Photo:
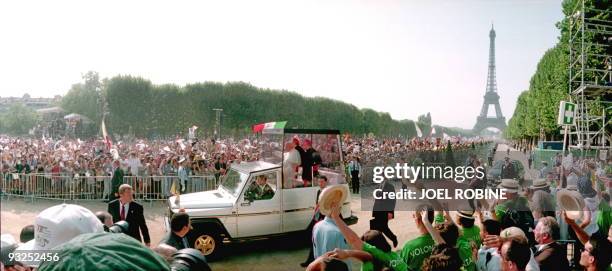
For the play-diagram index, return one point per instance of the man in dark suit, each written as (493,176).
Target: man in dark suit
(307,162)
(125,208)
(550,254)
(383,211)
(116,180)
(180,225)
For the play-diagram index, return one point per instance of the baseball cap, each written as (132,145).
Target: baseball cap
(105,252)
(59,224)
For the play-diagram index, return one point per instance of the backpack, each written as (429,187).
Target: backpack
(521,217)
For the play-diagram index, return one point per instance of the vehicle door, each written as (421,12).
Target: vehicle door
(258,207)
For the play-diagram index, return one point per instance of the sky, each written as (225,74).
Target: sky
(402,57)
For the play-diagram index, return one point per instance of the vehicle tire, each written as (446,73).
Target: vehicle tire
(209,243)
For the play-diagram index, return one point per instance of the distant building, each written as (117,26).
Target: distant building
(27,100)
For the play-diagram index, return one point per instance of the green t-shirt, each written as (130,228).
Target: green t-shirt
(389,259)
(416,251)
(465,253)
(471,234)
(604,217)
(501,209)
(439,218)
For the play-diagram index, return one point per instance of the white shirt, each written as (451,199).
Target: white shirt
(532,265)
(494,263)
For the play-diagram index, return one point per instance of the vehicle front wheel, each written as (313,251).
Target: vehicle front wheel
(210,244)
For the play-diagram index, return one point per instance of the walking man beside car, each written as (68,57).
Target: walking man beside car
(125,208)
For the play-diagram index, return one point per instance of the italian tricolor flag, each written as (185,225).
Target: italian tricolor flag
(257,128)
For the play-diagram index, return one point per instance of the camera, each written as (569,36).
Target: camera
(189,259)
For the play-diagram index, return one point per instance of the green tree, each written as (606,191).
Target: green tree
(84,97)
(18,120)
(130,106)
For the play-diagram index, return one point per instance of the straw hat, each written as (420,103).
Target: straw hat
(510,185)
(571,202)
(333,195)
(539,184)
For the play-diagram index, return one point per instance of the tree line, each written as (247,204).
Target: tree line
(135,106)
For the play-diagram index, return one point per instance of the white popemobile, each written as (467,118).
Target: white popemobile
(230,213)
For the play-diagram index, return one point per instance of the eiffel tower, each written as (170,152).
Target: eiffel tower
(491,97)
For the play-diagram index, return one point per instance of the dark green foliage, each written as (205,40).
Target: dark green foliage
(18,120)
(147,110)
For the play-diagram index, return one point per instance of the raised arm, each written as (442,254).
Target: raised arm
(586,220)
(342,254)
(435,235)
(351,237)
(580,233)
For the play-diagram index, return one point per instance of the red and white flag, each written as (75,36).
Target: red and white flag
(107,139)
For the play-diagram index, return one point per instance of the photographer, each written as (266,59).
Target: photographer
(180,225)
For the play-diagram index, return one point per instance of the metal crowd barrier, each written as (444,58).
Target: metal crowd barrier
(62,187)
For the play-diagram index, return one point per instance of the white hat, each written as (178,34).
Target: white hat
(58,224)
(571,202)
(333,195)
(510,185)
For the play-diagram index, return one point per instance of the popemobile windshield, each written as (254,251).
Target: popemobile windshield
(233,212)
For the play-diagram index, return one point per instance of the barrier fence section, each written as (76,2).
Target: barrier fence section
(63,187)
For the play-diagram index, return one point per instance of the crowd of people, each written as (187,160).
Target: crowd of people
(92,165)
(561,221)
(379,151)
(531,229)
